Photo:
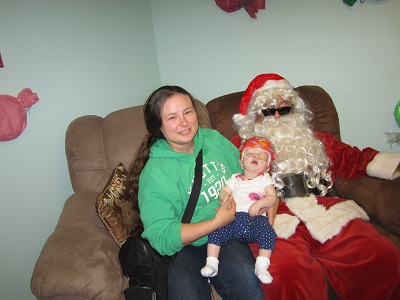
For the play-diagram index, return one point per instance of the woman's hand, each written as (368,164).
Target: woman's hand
(226,213)
(224,216)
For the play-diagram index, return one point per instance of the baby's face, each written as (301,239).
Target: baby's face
(256,160)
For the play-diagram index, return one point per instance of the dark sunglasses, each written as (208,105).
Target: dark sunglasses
(281,110)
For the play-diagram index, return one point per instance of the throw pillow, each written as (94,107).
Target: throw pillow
(115,205)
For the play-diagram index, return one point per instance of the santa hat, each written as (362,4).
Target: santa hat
(260,83)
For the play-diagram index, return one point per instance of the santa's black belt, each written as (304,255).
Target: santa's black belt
(295,186)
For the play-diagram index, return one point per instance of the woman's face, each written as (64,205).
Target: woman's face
(179,123)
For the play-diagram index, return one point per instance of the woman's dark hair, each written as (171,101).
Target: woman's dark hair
(152,117)
(155,102)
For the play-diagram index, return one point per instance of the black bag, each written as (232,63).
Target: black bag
(146,268)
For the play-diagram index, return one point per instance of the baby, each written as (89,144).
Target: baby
(253,193)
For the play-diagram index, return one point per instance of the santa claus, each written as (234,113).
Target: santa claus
(320,236)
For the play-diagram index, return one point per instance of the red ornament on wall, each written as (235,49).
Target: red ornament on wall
(13,119)
(1,62)
(251,6)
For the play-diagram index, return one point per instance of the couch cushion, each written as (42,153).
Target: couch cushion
(325,117)
(80,258)
(379,198)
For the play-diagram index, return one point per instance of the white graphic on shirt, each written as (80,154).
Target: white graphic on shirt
(213,180)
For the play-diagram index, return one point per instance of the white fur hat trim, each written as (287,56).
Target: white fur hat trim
(283,84)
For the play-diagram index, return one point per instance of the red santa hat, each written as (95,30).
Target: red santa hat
(259,83)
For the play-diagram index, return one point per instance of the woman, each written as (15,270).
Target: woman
(166,162)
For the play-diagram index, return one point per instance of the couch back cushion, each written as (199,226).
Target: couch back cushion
(325,118)
(95,145)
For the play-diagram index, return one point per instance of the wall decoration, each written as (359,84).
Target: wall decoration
(397,113)
(251,6)
(394,137)
(13,118)
(349,2)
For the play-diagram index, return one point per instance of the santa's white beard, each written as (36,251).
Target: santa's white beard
(299,151)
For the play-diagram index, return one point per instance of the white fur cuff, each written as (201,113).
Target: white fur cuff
(323,224)
(285,225)
(385,165)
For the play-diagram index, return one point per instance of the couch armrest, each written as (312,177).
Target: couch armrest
(80,259)
(378,197)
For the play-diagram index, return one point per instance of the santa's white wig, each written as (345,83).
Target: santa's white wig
(298,150)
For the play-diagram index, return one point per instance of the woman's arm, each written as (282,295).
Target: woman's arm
(224,216)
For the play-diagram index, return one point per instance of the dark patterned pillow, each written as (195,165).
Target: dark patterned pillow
(115,205)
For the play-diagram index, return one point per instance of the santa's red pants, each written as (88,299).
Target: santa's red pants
(359,263)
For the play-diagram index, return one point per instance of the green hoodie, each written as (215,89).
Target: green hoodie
(166,181)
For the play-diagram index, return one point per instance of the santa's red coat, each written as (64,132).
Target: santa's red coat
(358,261)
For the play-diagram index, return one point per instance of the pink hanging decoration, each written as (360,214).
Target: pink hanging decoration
(13,118)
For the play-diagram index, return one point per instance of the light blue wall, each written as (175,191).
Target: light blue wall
(351,52)
(95,56)
(80,57)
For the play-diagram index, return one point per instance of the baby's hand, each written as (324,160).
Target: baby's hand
(254,209)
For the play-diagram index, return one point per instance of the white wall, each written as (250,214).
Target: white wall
(351,52)
(80,57)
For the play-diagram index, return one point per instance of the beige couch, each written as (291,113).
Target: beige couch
(80,258)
